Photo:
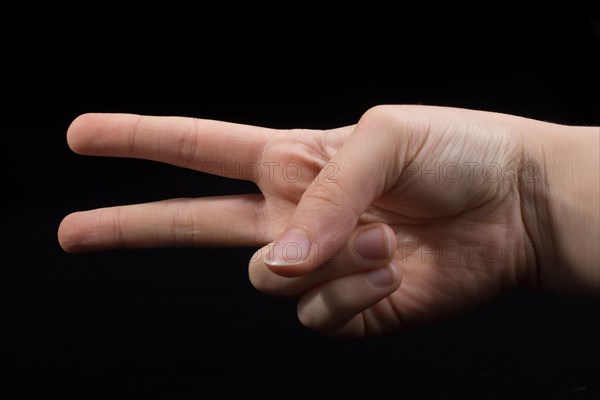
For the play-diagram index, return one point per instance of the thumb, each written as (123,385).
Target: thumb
(359,173)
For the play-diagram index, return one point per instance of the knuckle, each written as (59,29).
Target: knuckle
(310,319)
(117,222)
(319,312)
(330,199)
(388,118)
(183,224)
(378,115)
(187,145)
(322,194)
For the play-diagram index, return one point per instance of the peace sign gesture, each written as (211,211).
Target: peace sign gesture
(410,215)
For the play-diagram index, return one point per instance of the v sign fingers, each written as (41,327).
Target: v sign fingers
(268,157)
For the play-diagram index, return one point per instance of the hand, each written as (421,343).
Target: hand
(437,198)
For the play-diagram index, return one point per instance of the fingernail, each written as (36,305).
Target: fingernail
(373,244)
(383,277)
(292,248)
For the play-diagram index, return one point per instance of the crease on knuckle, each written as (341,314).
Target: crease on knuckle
(187,144)
(323,195)
(182,225)
(324,198)
(132,135)
(117,226)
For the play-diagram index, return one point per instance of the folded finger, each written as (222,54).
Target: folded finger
(370,247)
(329,308)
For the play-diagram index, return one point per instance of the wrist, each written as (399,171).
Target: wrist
(561,205)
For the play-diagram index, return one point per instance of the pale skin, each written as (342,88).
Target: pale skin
(412,215)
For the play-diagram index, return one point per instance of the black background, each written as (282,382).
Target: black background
(186,322)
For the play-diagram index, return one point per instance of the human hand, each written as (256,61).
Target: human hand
(447,191)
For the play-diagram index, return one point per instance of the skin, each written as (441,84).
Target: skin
(410,216)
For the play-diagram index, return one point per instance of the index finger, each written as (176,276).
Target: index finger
(200,144)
